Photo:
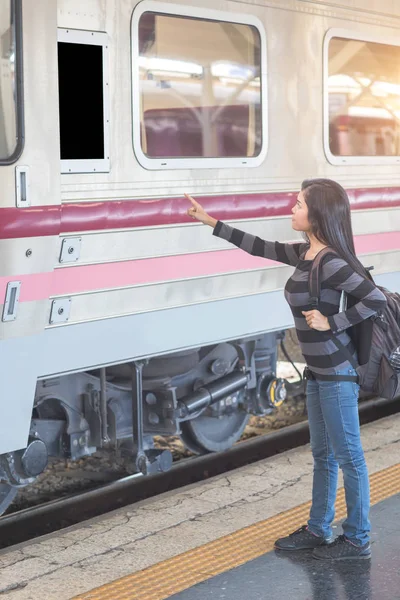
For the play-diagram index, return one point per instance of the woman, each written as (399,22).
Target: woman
(322,212)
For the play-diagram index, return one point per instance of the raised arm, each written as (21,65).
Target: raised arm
(284,253)
(339,275)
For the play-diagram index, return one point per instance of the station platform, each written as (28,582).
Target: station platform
(215,540)
(278,575)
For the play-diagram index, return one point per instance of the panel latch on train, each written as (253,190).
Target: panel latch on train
(22,187)
(60,310)
(11,301)
(70,249)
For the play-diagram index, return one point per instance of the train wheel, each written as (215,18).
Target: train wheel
(188,440)
(213,433)
(7,495)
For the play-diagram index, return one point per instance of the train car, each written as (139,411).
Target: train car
(121,318)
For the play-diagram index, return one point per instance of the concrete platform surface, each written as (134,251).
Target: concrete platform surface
(78,559)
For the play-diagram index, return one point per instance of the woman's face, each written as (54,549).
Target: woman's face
(300,214)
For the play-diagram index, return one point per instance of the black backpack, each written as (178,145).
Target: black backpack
(377,339)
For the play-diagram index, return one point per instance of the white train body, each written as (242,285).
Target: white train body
(105,267)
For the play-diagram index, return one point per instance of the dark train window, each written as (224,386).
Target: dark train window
(199,90)
(83,101)
(363,86)
(11,107)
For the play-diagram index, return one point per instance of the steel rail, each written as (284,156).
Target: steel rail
(52,516)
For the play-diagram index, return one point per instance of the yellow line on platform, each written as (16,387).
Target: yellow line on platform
(190,568)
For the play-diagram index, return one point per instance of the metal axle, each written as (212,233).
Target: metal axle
(211,393)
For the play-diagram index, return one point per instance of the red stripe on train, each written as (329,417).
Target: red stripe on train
(120,214)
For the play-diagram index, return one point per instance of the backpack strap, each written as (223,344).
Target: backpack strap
(314,289)
(314,278)
(344,350)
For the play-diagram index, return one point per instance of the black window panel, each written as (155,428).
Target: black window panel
(80,72)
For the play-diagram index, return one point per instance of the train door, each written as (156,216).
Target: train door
(29,203)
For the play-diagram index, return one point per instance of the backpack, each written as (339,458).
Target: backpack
(376,340)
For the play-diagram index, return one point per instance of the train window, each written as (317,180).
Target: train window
(83,101)
(11,108)
(362,96)
(198,92)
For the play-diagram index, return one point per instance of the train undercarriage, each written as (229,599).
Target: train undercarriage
(204,395)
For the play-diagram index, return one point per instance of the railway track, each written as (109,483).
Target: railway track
(58,514)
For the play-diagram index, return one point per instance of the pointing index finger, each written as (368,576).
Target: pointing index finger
(192,200)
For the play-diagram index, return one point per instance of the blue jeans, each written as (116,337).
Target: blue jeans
(335,442)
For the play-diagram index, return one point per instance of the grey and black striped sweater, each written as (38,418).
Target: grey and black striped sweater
(319,351)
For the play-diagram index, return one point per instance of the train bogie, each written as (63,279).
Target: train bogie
(205,395)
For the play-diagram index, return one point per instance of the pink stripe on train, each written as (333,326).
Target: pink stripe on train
(76,280)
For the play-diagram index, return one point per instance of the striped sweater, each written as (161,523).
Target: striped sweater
(319,351)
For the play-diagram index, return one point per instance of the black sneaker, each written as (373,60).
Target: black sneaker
(343,549)
(301,539)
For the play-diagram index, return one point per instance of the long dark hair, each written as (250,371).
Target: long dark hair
(330,219)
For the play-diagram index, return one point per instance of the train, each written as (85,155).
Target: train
(121,318)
